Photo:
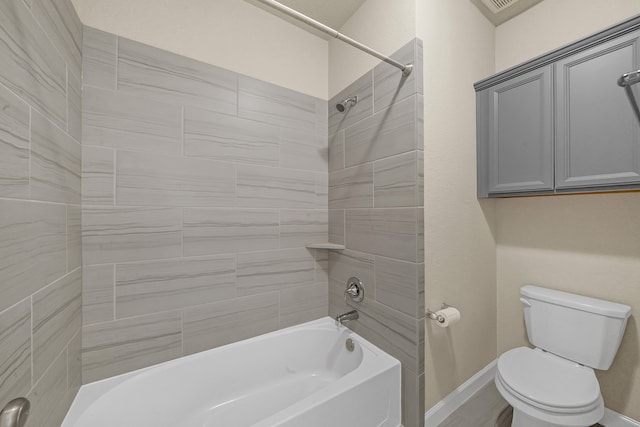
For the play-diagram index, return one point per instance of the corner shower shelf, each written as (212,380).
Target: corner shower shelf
(332,246)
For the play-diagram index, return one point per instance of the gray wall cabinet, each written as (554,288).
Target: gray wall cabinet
(520,140)
(560,123)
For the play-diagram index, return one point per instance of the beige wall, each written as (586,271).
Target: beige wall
(376,24)
(588,244)
(232,34)
(459,246)
(554,23)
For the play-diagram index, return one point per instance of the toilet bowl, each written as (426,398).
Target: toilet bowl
(548,391)
(554,384)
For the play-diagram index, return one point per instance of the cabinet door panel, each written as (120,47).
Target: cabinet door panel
(597,133)
(521,134)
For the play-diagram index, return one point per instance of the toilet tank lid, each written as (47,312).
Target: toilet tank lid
(579,302)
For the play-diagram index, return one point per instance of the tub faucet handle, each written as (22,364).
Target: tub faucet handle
(355,290)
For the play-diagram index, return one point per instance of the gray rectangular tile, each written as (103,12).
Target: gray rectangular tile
(98,293)
(336,226)
(420,235)
(215,231)
(172,78)
(386,133)
(99,58)
(230,138)
(32,67)
(300,227)
(265,187)
(420,122)
(118,120)
(351,187)
(392,331)
(212,325)
(390,86)
(268,103)
(321,257)
(74,367)
(398,285)
(304,150)
(396,181)
(57,318)
(130,234)
(74,107)
(322,190)
(14,146)
(144,179)
(74,237)
(48,397)
(420,178)
(336,151)
(151,287)
(303,304)
(347,263)
(125,345)
(337,304)
(322,116)
(363,88)
(15,351)
(60,21)
(261,272)
(33,248)
(55,163)
(98,175)
(413,400)
(420,62)
(387,232)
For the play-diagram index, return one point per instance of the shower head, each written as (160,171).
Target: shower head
(346,104)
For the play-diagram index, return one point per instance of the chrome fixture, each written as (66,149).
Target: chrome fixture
(355,290)
(346,104)
(15,413)
(346,317)
(350,345)
(626,81)
(405,68)
(435,316)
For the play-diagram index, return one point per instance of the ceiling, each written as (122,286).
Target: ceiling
(333,13)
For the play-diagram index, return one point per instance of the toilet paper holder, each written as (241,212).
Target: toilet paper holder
(435,316)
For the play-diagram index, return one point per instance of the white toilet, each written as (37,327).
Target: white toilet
(554,384)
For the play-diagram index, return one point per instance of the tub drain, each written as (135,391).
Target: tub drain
(350,345)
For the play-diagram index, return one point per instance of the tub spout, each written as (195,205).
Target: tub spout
(351,315)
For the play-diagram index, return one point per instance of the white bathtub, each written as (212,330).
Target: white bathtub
(302,376)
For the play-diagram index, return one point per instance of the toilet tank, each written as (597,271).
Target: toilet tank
(582,329)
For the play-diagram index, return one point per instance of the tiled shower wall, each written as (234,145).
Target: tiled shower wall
(201,188)
(376,209)
(40,245)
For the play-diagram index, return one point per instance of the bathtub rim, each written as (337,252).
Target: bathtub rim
(372,355)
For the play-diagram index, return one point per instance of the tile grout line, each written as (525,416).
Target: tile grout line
(115,281)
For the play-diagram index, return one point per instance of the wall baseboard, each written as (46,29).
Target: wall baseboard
(614,419)
(441,410)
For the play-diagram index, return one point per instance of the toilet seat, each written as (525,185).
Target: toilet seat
(549,387)
(548,381)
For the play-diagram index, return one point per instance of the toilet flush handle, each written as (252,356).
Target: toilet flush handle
(525,302)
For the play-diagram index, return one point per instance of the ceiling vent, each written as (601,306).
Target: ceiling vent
(498,5)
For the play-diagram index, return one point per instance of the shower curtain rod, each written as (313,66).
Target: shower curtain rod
(405,68)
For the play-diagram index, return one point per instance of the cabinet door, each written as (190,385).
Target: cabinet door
(520,139)
(597,133)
